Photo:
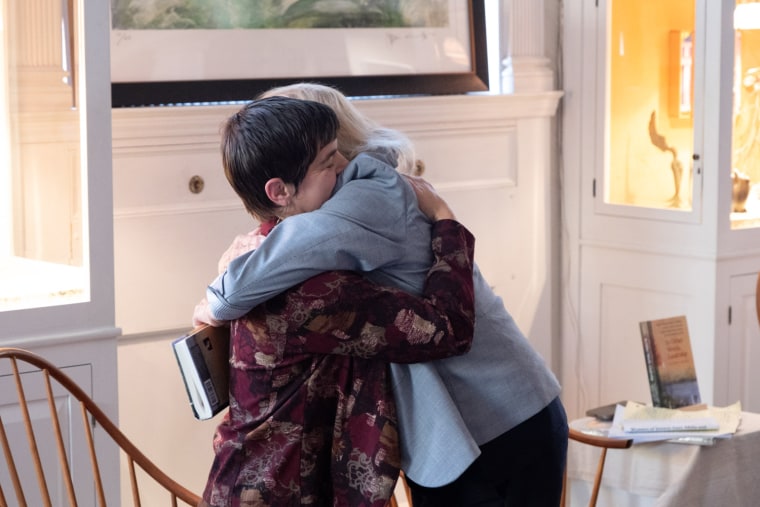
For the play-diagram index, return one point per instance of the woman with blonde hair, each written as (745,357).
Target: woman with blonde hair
(486,428)
(312,418)
(357,133)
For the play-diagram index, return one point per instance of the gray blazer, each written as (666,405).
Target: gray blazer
(372,223)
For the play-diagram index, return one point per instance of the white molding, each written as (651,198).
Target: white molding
(525,66)
(62,339)
(526,28)
(184,209)
(154,127)
(527,74)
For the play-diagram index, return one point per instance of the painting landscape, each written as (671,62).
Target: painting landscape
(201,51)
(273,14)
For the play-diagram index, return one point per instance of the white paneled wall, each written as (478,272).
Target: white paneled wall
(488,155)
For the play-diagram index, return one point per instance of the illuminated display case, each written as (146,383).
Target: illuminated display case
(56,246)
(661,174)
(745,167)
(56,225)
(44,227)
(649,158)
(650,135)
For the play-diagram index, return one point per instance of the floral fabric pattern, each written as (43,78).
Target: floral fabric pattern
(312,420)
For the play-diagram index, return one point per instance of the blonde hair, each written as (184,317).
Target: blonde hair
(357,133)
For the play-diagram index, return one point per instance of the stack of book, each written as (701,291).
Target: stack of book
(670,362)
(645,423)
(676,413)
(203,357)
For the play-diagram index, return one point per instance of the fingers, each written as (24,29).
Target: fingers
(430,203)
(202,315)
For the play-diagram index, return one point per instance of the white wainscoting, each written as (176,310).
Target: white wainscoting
(490,156)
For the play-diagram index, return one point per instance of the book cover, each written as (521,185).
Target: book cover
(203,359)
(669,362)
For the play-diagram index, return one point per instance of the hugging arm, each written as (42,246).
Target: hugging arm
(297,249)
(343,313)
(361,228)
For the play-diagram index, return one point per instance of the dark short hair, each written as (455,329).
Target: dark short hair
(275,137)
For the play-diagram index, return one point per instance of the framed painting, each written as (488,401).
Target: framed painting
(199,51)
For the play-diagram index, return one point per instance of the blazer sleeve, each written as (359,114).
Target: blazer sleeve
(340,312)
(360,228)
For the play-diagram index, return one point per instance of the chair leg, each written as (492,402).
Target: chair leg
(13,472)
(63,462)
(598,478)
(393,502)
(407,489)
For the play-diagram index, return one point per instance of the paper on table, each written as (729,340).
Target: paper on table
(728,419)
(657,425)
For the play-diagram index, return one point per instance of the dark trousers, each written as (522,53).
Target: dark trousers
(521,468)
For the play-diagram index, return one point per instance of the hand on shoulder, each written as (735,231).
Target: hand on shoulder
(430,203)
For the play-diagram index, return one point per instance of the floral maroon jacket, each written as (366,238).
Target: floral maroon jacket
(312,419)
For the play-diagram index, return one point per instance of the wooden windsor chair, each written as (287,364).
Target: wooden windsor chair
(604,443)
(44,467)
(757,297)
(404,497)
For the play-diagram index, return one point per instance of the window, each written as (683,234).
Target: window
(42,219)
(745,167)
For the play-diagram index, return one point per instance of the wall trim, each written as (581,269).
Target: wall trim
(155,127)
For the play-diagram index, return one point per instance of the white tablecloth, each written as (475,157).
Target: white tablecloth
(668,474)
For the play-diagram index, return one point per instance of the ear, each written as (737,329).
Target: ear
(278,191)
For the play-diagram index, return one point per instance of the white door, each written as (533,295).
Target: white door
(744,344)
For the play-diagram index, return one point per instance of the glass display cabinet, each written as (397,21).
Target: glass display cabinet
(650,134)
(44,226)
(55,170)
(56,225)
(661,187)
(745,166)
(649,158)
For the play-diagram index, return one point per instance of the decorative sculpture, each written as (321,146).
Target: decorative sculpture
(740,185)
(747,123)
(746,154)
(675,166)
